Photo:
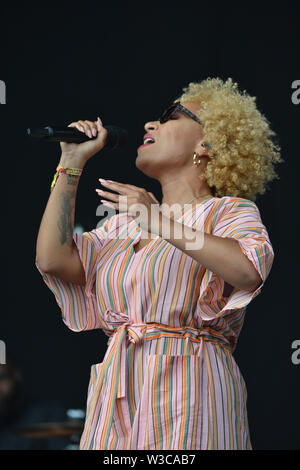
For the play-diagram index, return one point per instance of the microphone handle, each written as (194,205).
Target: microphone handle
(73,135)
(65,134)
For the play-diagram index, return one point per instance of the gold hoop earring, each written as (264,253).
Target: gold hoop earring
(195,161)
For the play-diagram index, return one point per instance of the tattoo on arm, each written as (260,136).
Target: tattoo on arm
(65,225)
(72,180)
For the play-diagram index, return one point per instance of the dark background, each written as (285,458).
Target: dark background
(127,64)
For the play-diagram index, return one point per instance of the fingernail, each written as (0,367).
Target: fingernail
(102,180)
(94,132)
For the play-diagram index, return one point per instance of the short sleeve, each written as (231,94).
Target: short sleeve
(78,303)
(240,219)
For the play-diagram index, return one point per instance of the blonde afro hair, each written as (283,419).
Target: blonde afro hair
(242,149)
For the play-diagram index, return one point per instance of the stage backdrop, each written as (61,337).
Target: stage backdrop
(127,65)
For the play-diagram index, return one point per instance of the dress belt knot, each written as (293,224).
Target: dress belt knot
(125,330)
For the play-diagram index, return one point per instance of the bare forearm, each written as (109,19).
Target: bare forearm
(222,256)
(55,237)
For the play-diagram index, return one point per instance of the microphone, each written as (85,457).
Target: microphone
(116,136)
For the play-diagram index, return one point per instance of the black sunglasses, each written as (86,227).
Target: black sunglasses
(169,112)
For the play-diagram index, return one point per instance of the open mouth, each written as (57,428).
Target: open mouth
(146,143)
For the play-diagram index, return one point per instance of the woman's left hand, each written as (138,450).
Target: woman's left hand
(128,198)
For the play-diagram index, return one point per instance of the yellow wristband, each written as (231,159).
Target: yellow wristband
(67,171)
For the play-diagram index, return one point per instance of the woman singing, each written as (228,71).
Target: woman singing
(168,284)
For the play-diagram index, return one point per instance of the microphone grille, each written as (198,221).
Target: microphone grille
(116,137)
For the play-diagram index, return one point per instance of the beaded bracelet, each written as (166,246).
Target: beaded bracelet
(67,171)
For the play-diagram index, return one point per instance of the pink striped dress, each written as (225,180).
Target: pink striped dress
(168,379)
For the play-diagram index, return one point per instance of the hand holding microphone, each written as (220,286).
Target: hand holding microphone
(80,153)
(78,139)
